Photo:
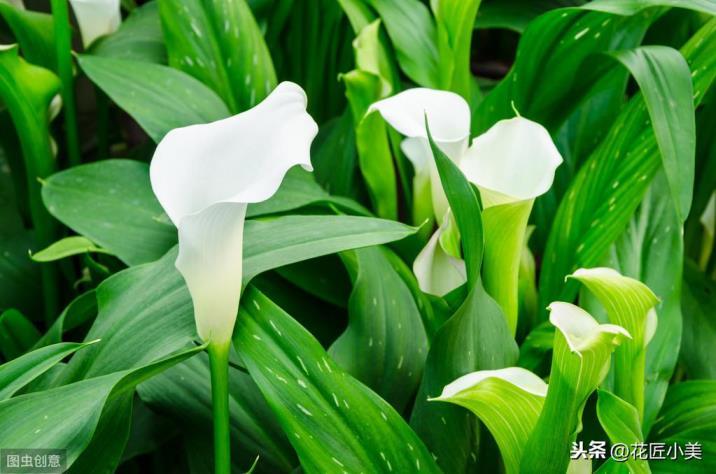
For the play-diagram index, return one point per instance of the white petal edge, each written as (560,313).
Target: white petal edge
(96,18)
(240,159)
(437,272)
(210,255)
(448,117)
(515,160)
(578,326)
(517,376)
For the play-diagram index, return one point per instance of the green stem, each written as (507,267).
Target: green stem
(219,365)
(63,43)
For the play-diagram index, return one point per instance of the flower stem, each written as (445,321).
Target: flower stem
(63,43)
(219,366)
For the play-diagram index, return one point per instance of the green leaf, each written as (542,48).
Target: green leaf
(146,312)
(34,31)
(664,77)
(183,392)
(476,337)
(17,334)
(158,97)
(688,416)
(220,44)
(466,208)
(139,37)
(374,153)
(628,303)
(413,33)
(27,91)
(111,203)
(385,344)
(333,421)
(508,401)
(698,303)
(19,372)
(582,350)
(609,186)
(455,21)
(622,423)
(68,417)
(78,312)
(66,247)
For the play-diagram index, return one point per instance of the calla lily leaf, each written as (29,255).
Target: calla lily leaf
(333,421)
(19,372)
(96,18)
(67,247)
(139,37)
(708,221)
(622,423)
(68,417)
(34,31)
(220,44)
(476,337)
(385,344)
(630,304)
(158,97)
(580,361)
(17,334)
(507,400)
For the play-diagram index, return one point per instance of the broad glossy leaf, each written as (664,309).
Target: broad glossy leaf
(145,312)
(17,334)
(139,37)
(385,344)
(34,31)
(508,401)
(17,373)
(688,416)
(414,36)
(78,312)
(334,422)
(622,423)
(66,247)
(610,185)
(466,208)
(664,77)
(67,417)
(111,203)
(158,97)
(220,44)
(183,393)
(476,337)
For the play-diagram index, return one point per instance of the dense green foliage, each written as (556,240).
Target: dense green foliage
(602,290)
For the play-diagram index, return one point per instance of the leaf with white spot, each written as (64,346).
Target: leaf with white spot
(334,422)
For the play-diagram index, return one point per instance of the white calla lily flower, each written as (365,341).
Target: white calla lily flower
(515,160)
(96,18)
(205,176)
(449,118)
(579,328)
(512,163)
(438,272)
(517,376)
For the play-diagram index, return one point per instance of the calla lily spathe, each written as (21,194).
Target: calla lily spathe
(205,176)
(96,18)
(513,162)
